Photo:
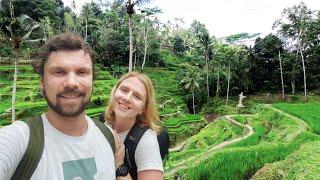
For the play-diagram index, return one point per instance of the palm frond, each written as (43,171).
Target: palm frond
(27,35)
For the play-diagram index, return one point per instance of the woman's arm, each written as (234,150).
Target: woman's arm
(150,174)
(119,155)
(120,150)
(148,158)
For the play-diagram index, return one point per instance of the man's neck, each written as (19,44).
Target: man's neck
(72,126)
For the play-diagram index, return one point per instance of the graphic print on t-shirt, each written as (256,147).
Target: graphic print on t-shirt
(82,169)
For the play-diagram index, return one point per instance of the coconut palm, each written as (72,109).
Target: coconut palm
(86,14)
(18,30)
(191,82)
(130,4)
(147,22)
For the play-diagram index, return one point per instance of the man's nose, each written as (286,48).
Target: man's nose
(72,80)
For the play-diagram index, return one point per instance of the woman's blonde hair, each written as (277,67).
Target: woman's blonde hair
(150,116)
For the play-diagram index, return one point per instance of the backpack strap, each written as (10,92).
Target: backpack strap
(107,133)
(32,156)
(131,142)
(164,143)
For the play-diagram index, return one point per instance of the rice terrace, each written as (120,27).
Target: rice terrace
(239,106)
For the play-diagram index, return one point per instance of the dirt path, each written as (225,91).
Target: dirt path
(303,126)
(200,157)
(179,147)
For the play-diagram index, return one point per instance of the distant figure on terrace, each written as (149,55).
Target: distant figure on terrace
(241,97)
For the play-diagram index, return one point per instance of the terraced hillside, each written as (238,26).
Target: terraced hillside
(276,139)
(29,102)
(302,164)
(172,107)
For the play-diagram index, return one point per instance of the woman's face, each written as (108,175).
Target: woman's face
(129,98)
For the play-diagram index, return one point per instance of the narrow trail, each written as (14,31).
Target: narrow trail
(303,126)
(179,147)
(202,156)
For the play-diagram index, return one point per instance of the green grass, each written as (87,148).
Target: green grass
(243,162)
(29,102)
(174,122)
(276,136)
(95,111)
(302,164)
(213,134)
(22,68)
(309,112)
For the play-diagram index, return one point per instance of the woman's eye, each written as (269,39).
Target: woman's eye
(124,90)
(137,97)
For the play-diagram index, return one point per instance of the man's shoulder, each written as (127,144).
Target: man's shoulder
(16,127)
(103,129)
(94,121)
(14,141)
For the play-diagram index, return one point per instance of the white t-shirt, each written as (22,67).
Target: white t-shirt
(147,155)
(65,157)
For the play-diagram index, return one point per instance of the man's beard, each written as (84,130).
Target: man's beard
(68,111)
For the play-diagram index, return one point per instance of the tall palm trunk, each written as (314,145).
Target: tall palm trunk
(15,45)
(218,85)
(14,89)
(228,83)
(193,106)
(131,44)
(135,61)
(86,36)
(293,75)
(145,47)
(207,69)
(282,85)
(303,66)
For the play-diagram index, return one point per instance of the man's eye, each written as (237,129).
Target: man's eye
(59,72)
(82,72)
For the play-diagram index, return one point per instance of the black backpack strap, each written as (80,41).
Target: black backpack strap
(131,142)
(32,156)
(107,133)
(164,143)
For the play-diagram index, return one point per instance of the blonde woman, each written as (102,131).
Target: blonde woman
(132,104)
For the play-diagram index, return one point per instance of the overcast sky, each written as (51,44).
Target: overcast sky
(225,17)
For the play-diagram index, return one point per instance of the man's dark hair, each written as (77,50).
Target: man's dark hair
(64,42)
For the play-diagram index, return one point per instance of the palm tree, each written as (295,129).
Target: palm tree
(229,77)
(206,41)
(279,47)
(303,63)
(147,23)
(86,13)
(191,82)
(292,25)
(130,11)
(18,30)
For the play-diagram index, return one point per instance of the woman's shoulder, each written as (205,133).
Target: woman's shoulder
(150,134)
(149,138)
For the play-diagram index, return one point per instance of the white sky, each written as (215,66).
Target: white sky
(225,17)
